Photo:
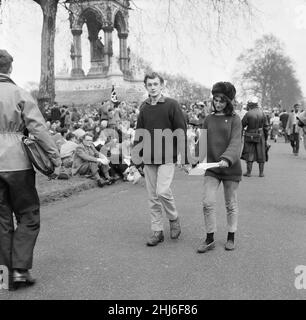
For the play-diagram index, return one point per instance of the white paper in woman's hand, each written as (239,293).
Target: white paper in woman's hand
(200,169)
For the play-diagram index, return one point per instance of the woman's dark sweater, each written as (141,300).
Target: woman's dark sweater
(224,143)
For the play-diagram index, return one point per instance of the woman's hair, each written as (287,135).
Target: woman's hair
(229,109)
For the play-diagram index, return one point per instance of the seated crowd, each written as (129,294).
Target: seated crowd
(95,141)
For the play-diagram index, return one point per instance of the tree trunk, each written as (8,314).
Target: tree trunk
(47,82)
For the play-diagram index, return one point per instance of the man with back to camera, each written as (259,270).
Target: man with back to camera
(18,193)
(293,129)
(159,113)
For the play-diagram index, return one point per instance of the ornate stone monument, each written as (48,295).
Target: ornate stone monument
(105,70)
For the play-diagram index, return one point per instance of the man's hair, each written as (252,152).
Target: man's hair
(5,61)
(153,75)
(296,105)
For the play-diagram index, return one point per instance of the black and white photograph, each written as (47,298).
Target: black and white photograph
(152,153)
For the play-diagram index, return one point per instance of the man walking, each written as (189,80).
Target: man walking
(159,114)
(255,123)
(293,130)
(284,119)
(18,194)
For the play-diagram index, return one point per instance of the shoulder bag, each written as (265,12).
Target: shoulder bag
(253,137)
(38,156)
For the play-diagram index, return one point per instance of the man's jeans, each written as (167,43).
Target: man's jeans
(18,194)
(158,180)
(211,186)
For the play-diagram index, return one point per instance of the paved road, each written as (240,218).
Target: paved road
(92,245)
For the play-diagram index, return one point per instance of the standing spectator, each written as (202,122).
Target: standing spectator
(293,130)
(159,112)
(103,111)
(284,119)
(223,146)
(65,117)
(275,123)
(18,193)
(256,123)
(55,112)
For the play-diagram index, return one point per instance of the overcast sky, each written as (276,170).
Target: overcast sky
(190,53)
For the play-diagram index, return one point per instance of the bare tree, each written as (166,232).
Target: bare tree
(267,72)
(47,83)
(203,21)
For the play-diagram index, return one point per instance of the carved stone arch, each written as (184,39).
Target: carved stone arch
(91,14)
(120,22)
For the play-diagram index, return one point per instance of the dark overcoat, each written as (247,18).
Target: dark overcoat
(255,120)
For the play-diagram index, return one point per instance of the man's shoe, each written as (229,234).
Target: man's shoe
(247,175)
(204,247)
(155,239)
(175,228)
(261,175)
(22,279)
(230,245)
(101,183)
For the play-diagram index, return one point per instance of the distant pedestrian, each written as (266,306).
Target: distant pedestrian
(224,146)
(293,129)
(284,119)
(275,123)
(256,134)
